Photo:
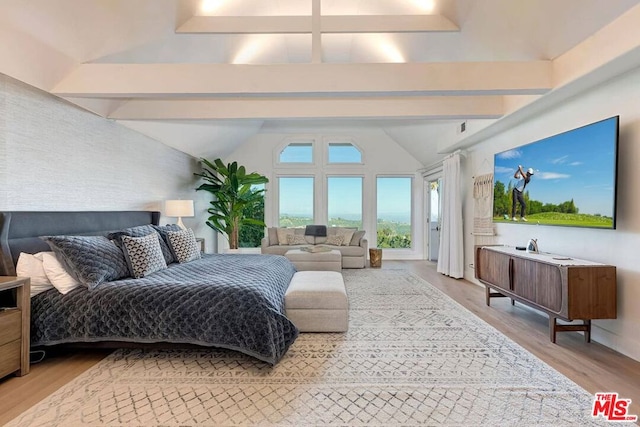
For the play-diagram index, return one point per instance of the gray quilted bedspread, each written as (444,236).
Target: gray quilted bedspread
(228,301)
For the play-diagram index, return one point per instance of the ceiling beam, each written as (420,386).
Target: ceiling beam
(328,24)
(387,24)
(246,25)
(199,80)
(438,107)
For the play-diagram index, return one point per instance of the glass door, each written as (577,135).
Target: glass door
(433,218)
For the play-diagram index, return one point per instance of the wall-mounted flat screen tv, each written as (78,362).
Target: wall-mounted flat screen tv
(567,179)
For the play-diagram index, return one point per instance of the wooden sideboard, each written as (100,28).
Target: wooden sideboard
(564,288)
(15,327)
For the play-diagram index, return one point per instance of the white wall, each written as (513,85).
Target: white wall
(55,156)
(381,156)
(620,247)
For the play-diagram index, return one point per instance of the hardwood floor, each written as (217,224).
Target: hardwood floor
(594,367)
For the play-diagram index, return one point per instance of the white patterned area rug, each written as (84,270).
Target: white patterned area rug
(412,356)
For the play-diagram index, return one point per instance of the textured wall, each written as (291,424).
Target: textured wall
(617,247)
(56,156)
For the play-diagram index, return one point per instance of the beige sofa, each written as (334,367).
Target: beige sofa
(354,252)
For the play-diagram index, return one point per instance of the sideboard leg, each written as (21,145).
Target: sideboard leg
(487,290)
(587,330)
(552,329)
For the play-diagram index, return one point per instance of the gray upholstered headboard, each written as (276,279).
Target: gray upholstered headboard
(21,231)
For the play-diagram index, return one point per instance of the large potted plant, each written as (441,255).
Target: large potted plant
(233,191)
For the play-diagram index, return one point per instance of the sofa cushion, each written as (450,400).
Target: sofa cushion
(348,251)
(272,235)
(357,236)
(347,234)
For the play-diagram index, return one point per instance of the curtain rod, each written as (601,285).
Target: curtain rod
(453,154)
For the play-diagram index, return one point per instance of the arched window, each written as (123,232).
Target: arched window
(297,152)
(343,152)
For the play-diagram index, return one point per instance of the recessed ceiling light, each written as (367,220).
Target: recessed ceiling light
(426,5)
(250,50)
(391,51)
(386,47)
(210,6)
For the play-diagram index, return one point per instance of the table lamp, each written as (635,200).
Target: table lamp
(179,209)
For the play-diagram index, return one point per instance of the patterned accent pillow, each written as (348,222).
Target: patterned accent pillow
(143,255)
(164,242)
(184,245)
(296,239)
(283,235)
(145,230)
(346,234)
(335,240)
(90,259)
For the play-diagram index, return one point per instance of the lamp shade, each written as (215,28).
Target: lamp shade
(178,208)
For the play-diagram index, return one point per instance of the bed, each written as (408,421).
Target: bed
(221,300)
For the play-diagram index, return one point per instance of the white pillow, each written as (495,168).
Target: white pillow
(31,266)
(56,273)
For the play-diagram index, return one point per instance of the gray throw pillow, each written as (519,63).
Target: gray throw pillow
(164,241)
(184,245)
(143,255)
(90,259)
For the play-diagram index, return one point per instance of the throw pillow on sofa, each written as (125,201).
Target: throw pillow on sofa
(335,240)
(296,239)
(346,234)
(283,235)
(357,236)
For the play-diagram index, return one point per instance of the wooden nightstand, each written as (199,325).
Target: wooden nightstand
(15,323)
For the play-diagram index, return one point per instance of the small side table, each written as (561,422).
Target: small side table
(201,241)
(15,326)
(375,258)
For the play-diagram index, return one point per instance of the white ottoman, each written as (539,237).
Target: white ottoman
(316,301)
(318,261)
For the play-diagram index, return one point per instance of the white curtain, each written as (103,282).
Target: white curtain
(451,253)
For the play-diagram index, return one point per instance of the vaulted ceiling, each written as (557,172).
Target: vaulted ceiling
(204,76)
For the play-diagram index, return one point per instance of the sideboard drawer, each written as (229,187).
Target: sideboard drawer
(10,356)
(10,325)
